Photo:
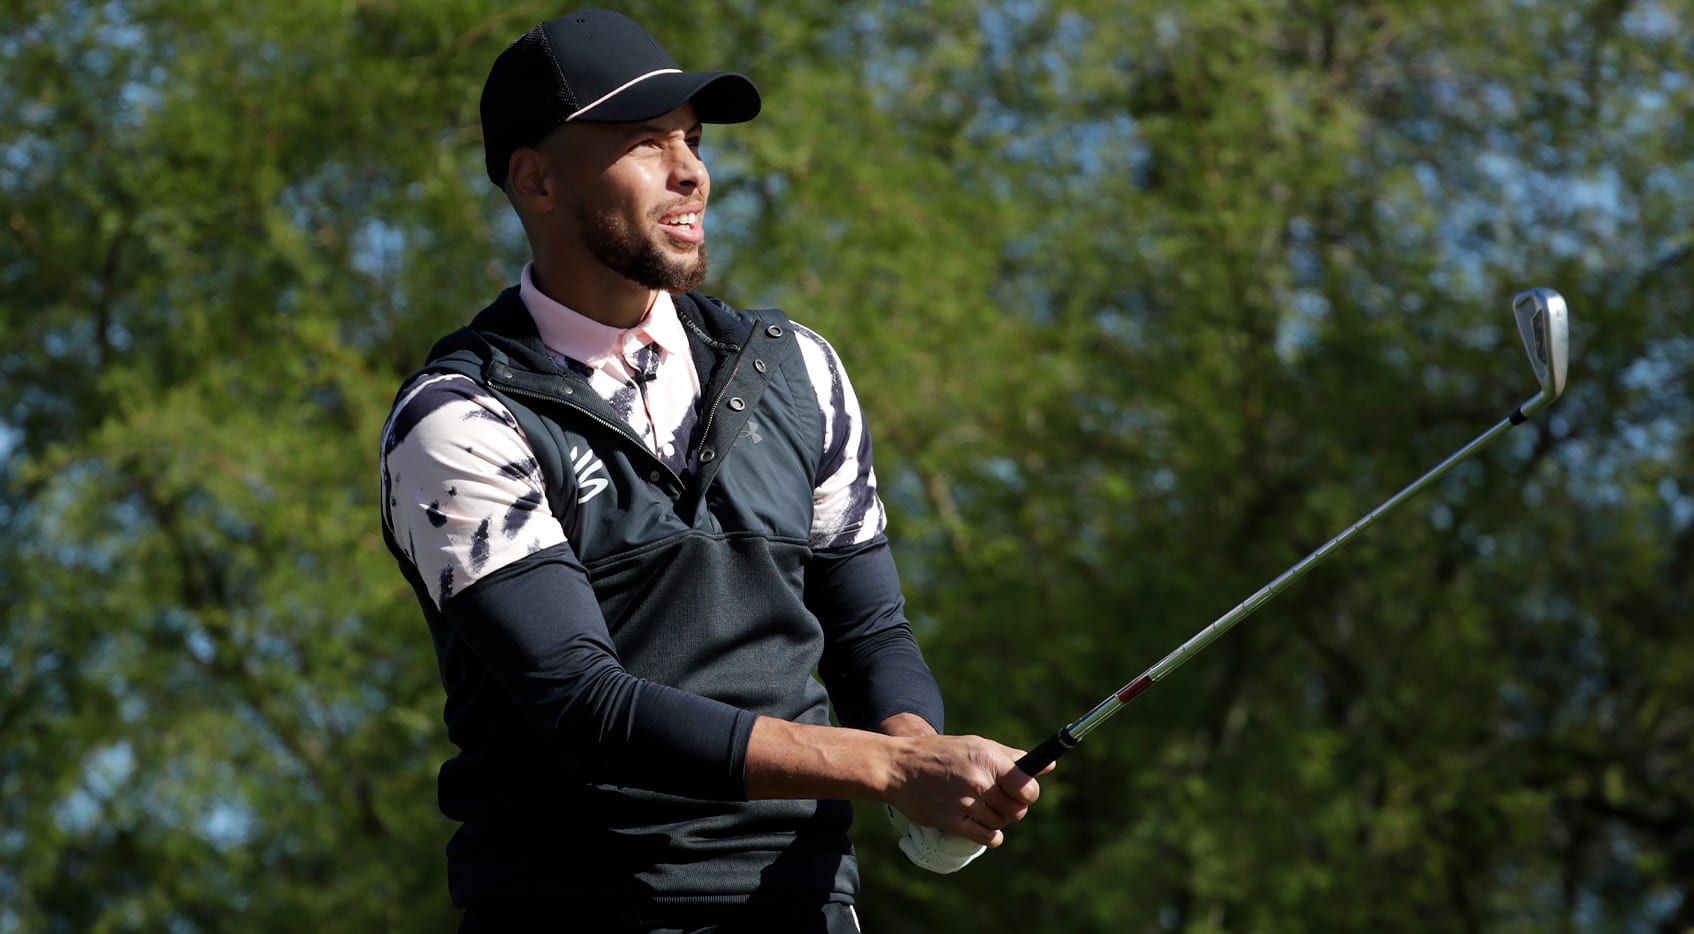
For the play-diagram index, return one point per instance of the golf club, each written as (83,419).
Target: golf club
(1544,323)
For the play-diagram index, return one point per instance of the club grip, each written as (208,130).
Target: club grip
(1047,753)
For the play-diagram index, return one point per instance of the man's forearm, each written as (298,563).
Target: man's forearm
(963,785)
(786,760)
(796,760)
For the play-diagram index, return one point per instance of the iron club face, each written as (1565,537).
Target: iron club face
(1545,325)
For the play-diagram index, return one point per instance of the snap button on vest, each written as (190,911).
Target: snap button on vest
(737,404)
(774,330)
(707,455)
(759,365)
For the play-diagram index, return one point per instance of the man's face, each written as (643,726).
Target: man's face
(637,197)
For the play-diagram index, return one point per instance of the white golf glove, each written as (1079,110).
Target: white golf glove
(932,849)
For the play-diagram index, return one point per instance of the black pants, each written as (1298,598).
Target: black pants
(831,918)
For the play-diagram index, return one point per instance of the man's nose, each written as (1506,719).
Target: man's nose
(687,170)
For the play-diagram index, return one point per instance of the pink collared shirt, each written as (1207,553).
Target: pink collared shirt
(645,372)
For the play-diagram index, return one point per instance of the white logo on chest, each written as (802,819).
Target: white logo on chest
(585,465)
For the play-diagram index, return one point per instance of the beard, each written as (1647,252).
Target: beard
(636,258)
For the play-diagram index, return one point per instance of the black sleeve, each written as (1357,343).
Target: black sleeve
(871,664)
(536,626)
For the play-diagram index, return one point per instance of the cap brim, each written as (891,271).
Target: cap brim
(718,96)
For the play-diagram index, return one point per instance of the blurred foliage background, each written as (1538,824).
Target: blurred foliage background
(1146,301)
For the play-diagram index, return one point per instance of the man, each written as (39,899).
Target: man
(637,520)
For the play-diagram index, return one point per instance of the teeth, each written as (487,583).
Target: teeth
(684,220)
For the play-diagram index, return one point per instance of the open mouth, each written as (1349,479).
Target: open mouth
(686,224)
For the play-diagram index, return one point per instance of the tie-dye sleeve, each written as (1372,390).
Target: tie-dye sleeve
(461,489)
(845,507)
(871,664)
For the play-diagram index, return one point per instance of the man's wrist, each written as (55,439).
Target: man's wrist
(906,724)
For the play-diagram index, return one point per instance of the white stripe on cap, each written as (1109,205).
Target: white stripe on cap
(621,88)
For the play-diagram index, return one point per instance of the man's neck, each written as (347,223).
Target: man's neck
(593,292)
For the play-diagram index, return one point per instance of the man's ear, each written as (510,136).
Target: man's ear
(527,179)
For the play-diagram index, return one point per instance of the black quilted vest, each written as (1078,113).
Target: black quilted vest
(701,582)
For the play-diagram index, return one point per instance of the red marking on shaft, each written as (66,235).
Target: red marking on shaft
(1128,693)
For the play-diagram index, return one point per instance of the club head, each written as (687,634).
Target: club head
(1544,323)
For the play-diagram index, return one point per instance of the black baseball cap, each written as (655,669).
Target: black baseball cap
(594,65)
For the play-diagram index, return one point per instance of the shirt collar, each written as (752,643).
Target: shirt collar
(569,333)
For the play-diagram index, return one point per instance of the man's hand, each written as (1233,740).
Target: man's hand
(927,847)
(966,786)
(960,786)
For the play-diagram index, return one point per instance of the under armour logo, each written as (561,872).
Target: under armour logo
(752,431)
(585,465)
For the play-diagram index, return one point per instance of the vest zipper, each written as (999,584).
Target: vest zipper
(711,413)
